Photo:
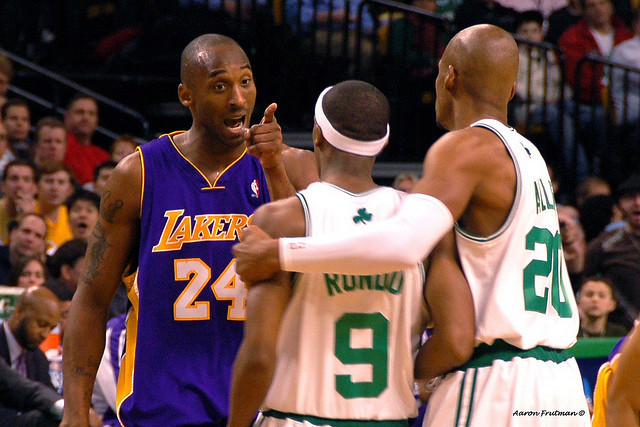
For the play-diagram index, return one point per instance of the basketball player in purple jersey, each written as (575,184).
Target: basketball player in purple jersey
(169,216)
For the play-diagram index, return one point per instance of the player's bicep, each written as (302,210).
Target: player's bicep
(266,305)
(116,232)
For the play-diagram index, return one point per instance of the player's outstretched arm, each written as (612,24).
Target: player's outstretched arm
(110,245)
(256,359)
(451,174)
(451,307)
(623,399)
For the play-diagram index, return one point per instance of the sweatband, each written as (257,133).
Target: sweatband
(344,143)
(380,247)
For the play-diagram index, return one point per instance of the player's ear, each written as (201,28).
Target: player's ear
(316,136)
(451,79)
(513,91)
(184,95)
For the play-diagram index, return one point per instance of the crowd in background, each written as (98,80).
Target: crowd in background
(53,174)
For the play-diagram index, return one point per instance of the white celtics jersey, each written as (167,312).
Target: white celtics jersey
(346,344)
(518,277)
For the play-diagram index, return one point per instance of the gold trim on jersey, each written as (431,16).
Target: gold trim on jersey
(211,186)
(127,365)
(139,150)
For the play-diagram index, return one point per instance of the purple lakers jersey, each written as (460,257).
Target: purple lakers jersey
(188,306)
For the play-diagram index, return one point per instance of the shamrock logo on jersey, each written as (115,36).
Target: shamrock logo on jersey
(363,216)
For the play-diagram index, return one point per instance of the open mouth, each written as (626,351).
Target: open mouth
(235,123)
(82,227)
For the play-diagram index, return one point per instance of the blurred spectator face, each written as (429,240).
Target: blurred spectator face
(101,181)
(71,275)
(531,30)
(32,275)
(428,5)
(82,117)
(4,83)
(51,144)
(4,139)
(630,206)
(55,188)
(18,122)
(65,306)
(20,183)
(121,149)
(596,299)
(83,216)
(28,237)
(598,12)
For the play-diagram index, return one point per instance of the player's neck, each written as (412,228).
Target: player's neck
(210,159)
(352,182)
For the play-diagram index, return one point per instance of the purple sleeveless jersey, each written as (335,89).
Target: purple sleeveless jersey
(187,313)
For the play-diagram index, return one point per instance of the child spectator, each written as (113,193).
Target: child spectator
(595,303)
(84,209)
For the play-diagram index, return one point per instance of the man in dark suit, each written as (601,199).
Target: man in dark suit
(38,404)
(36,313)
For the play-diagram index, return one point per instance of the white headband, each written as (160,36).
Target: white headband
(344,143)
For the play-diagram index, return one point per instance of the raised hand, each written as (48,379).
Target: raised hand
(264,140)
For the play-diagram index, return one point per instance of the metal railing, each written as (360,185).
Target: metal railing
(56,106)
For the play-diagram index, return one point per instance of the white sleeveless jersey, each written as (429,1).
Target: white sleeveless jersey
(518,277)
(346,344)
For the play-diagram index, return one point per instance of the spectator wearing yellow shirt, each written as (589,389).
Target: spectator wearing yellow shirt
(55,185)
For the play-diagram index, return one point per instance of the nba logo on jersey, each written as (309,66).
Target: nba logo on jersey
(255,188)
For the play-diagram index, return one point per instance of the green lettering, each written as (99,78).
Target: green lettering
(332,283)
(349,283)
(395,287)
(366,281)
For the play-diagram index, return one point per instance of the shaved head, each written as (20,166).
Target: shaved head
(36,313)
(476,76)
(199,52)
(36,297)
(486,57)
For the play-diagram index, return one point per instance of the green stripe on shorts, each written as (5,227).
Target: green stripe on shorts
(485,354)
(332,422)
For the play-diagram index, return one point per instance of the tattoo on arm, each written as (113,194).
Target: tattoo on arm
(96,254)
(110,207)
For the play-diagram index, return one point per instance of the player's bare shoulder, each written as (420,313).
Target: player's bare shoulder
(124,186)
(282,218)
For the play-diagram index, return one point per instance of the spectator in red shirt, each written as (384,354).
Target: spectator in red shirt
(597,32)
(81,122)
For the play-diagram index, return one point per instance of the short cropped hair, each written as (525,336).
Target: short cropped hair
(13,103)
(20,162)
(357,110)
(109,164)
(83,194)
(50,121)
